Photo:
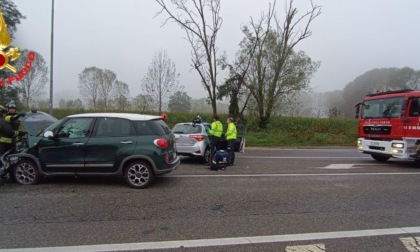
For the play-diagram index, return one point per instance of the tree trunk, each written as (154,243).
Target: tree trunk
(262,122)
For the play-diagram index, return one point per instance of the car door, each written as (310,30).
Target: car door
(65,152)
(113,139)
(240,140)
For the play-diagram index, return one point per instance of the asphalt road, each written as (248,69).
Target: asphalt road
(271,200)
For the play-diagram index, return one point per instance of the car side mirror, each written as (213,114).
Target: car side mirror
(48,134)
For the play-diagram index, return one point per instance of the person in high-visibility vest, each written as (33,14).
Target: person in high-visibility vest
(231,135)
(215,133)
(7,132)
(12,116)
(7,137)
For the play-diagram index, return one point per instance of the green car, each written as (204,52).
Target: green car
(133,146)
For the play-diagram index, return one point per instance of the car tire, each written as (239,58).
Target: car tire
(138,174)
(25,172)
(207,156)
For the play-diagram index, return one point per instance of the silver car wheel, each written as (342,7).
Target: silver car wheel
(26,173)
(138,175)
(207,156)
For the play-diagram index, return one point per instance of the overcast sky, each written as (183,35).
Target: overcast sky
(349,38)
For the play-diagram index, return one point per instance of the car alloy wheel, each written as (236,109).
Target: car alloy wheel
(26,173)
(138,175)
(207,156)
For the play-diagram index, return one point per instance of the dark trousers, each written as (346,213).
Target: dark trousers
(214,145)
(231,148)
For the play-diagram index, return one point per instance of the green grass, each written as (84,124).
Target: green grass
(305,132)
(281,131)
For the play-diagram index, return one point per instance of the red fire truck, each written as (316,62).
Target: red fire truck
(389,125)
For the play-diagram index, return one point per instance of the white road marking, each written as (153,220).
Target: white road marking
(340,166)
(344,166)
(290,157)
(223,241)
(305,149)
(307,248)
(223,174)
(412,244)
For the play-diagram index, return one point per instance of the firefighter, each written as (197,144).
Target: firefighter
(7,137)
(6,132)
(12,116)
(9,127)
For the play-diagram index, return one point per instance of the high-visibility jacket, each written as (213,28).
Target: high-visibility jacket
(231,132)
(216,129)
(10,118)
(6,132)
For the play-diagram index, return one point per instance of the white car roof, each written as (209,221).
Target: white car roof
(129,116)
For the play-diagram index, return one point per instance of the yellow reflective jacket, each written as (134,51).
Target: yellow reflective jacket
(216,129)
(231,132)
(6,132)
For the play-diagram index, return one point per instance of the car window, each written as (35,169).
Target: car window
(187,129)
(153,127)
(75,128)
(114,127)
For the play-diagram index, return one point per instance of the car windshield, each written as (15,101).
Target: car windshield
(187,129)
(383,108)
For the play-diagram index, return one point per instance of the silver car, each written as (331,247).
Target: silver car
(192,140)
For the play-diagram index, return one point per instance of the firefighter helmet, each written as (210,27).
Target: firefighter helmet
(11,105)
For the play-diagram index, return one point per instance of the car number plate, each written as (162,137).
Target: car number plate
(374,143)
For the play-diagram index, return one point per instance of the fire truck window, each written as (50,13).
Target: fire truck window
(415,108)
(392,109)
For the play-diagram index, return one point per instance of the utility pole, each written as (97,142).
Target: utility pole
(51,60)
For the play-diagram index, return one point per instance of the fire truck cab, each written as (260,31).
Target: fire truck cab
(389,125)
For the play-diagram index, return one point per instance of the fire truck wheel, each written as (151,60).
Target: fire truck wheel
(380,158)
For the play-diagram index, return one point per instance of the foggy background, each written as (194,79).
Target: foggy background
(349,38)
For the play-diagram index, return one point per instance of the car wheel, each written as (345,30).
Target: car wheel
(206,158)
(138,175)
(25,172)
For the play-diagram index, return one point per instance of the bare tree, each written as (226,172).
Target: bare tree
(106,86)
(201,23)
(235,86)
(142,103)
(70,104)
(34,82)
(121,94)
(42,103)
(161,79)
(89,84)
(276,70)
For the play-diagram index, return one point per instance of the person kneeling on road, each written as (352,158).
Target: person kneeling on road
(219,161)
